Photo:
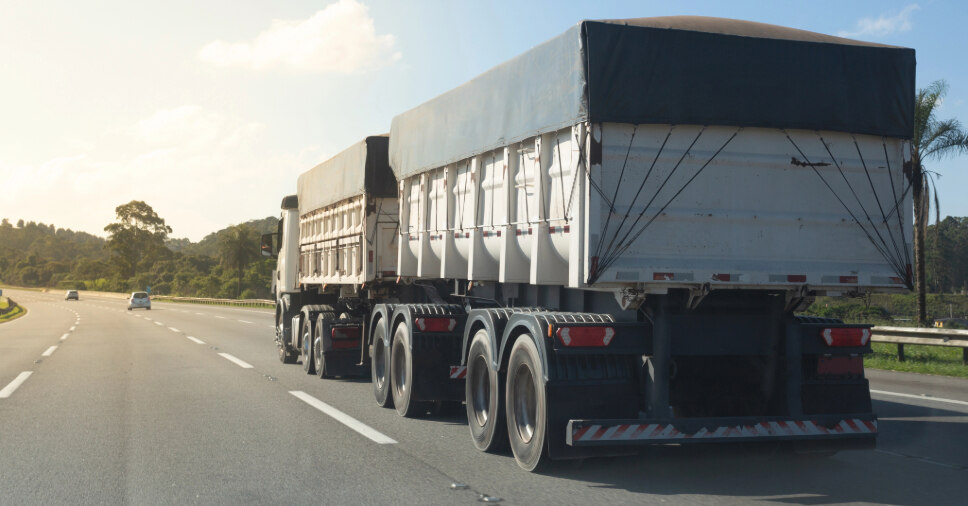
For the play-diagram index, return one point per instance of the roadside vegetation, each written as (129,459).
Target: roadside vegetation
(6,314)
(136,254)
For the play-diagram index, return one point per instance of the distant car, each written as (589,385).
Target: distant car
(139,299)
(71,295)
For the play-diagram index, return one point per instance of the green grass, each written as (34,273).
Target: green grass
(16,313)
(937,360)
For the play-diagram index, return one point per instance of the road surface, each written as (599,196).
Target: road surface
(189,404)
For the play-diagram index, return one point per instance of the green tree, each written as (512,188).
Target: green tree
(138,236)
(238,247)
(934,139)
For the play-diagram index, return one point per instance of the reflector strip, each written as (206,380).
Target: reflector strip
(849,337)
(435,324)
(784,428)
(585,336)
(458,371)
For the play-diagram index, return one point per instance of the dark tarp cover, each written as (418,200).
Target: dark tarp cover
(679,70)
(361,168)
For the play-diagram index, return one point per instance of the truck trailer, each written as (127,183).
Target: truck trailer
(604,242)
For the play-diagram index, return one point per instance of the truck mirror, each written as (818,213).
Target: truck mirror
(266,245)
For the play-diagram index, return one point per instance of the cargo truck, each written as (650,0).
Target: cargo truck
(604,242)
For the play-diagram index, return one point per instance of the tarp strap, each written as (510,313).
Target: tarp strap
(897,201)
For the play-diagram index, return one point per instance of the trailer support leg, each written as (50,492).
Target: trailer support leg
(658,380)
(793,369)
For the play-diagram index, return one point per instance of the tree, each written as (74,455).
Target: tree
(238,246)
(933,139)
(137,237)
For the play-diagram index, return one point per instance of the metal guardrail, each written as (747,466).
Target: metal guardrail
(216,302)
(923,336)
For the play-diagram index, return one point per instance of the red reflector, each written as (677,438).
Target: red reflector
(848,279)
(840,366)
(369,256)
(796,278)
(435,324)
(345,332)
(389,274)
(663,276)
(721,277)
(567,228)
(585,336)
(846,337)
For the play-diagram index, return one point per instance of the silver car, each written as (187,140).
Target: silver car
(71,295)
(139,299)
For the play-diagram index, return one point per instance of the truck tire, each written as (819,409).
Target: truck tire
(319,361)
(526,406)
(380,367)
(306,351)
(284,356)
(401,375)
(484,397)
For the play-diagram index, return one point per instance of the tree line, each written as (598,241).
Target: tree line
(138,253)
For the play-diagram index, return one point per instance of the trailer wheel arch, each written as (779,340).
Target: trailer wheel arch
(519,325)
(475,323)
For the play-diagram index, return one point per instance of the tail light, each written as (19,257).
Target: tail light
(435,324)
(585,336)
(345,337)
(853,337)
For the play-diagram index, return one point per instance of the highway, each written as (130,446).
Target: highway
(188,404)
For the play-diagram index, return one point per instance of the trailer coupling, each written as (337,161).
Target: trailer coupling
(730,429)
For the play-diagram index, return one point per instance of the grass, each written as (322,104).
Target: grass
(16,313)
(936,360)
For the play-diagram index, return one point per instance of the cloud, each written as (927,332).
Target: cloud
(199,169)
(884,25)
(340,38)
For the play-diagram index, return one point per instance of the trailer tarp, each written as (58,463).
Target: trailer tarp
(675,70)
(361,168)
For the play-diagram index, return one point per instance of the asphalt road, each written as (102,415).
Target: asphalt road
(188,404)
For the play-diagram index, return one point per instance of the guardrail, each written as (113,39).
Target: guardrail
(216,302)
(925,336)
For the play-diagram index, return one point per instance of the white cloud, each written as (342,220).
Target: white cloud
(884,25)
(199,169)
(341,38)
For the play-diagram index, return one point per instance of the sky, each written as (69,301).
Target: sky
(208,110)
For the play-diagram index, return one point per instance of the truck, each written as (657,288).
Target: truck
(604,243)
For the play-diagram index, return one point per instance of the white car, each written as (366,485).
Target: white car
(139,299)
(71,294)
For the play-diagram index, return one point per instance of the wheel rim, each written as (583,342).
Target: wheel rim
(380,367)
(399,369)
(480,390)
(525,404)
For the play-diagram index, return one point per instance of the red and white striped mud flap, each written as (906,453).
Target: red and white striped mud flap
(458,372)
(610,432)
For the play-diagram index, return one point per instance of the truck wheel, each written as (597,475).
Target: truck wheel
(319,361)
(284,356)
(307,347)
(527,414)
(401,375)
(484,398)
(380,367)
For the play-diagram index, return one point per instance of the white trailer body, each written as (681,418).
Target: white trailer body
(757,214)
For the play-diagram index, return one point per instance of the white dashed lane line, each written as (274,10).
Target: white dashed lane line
(241,363)
(50,351)
(15,384)
(64,337)
(195,340)
(173,329)
(243,321)
(222,317)
(72,329)
(159,323)
(343,418)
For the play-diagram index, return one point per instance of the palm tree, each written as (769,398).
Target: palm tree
(933,139)
(238,246)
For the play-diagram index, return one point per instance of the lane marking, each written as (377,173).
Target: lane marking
(159,323)
(173,329)
(241,363)
(15,384)
(72,329)
(920,397)
(64,337)
(199,314)
(243,321)
(222,317)
(347,420)
(194,340)
(49,352)
(146,318)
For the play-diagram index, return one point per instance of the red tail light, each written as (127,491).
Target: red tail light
(435,324)
(585,336)
(846,337)
(345,332)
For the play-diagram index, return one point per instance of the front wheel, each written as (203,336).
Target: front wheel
(484,397)
(527,412)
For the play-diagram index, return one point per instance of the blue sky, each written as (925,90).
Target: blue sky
(209,110)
